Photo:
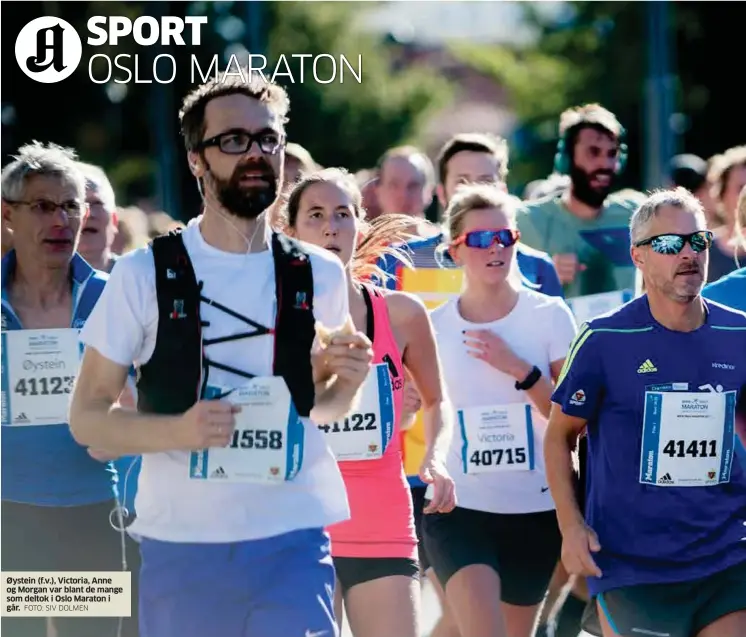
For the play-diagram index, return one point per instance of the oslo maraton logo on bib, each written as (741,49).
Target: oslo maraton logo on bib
(48,50)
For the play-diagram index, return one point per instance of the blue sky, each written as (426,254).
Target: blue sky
(433,21)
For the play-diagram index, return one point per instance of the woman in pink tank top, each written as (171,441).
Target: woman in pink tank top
(375,551)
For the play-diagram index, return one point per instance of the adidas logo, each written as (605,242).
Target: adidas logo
(218,473)
(665,479)
(22,417)
(647,367)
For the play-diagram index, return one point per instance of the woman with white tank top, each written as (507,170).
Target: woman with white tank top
(502,345)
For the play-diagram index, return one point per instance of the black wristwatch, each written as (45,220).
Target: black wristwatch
(530,380)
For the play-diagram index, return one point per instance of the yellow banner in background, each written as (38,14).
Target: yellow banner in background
(434,286)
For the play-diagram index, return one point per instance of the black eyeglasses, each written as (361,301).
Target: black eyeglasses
(674,243)
(238,142)
(46,207)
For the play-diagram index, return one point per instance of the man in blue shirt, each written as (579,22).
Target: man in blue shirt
(57,497)
(730,290)
(655,383)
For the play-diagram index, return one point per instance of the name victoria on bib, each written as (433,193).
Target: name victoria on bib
(499,438)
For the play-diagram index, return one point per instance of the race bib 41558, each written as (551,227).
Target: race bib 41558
(267,444)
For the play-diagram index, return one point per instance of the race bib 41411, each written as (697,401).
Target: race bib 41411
(38,373)
(366,433)
(688,438)
(497,438)
(267,443)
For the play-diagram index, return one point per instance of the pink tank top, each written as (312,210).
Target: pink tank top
(381,522)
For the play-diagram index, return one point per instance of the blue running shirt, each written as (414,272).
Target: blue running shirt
(651,528)
(729,290)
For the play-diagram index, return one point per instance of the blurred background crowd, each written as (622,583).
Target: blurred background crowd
(430,70)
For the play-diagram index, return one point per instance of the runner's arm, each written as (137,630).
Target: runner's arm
(339,372)
(97,420)
(422,363)
(335,398)
(559,443)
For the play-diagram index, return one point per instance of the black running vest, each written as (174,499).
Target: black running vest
(174,378)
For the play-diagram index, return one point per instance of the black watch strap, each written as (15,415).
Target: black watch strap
(530,380)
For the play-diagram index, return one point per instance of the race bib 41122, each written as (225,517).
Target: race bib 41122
(366,433)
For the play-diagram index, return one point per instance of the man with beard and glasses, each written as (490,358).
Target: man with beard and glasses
(585,227)
(236,485)
(656,385)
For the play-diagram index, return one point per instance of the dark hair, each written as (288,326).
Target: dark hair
(592,116)
(477,143)
(375,238)
(251,84)
(688,171)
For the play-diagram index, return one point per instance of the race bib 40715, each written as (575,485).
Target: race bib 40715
(499,438)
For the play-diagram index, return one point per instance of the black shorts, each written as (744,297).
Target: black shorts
(352,571)
(681,609)
(523,549)
(78,538)
(418,504)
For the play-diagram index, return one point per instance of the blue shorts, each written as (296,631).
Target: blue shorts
(276,587)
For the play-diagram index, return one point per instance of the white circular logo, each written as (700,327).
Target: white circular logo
(48,49)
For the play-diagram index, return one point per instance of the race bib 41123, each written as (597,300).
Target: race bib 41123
(267,444)
(38,373)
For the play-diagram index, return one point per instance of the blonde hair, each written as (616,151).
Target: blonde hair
(471,197)
(721,167)
(740,227)
(302,156)
(375,238)
(132,228)
(160,223)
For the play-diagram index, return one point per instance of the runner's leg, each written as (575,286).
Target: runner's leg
(296,595)
(384,606)
(472,593)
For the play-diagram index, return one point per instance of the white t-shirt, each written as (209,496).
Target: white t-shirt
(539,329)
(123,327)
